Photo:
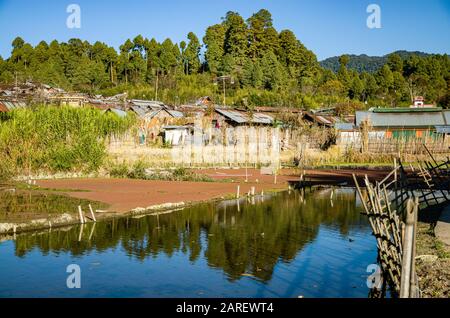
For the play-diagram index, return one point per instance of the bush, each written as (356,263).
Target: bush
(119,171)
(138,171)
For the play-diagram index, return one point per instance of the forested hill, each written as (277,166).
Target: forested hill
(365,63)
(256,64)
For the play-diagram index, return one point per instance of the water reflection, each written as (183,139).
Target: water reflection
(241,240)
(21,205)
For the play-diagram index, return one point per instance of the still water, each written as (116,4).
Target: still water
(285,245)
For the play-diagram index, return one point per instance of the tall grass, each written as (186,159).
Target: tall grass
(56,139)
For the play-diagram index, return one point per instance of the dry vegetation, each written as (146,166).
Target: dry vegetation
(433,264)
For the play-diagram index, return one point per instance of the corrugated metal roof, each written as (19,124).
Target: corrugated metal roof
(406,110)
(140,111)
(443,129)
(13,105)
(3,108)
(344,126)
(175,113)
(242,118)
(176,127)
(152,113)
(116,111)
(262,119)
(147,103)
(322,120)
(413,119)
(447,116)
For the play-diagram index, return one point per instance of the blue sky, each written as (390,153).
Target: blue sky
(327,27)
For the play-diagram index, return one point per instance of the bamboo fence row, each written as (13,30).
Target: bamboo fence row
(392,206)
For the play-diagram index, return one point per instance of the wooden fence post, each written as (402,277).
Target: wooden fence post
(408,249)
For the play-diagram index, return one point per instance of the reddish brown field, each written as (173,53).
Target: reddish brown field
(124,195)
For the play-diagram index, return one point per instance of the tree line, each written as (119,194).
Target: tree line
(267,67)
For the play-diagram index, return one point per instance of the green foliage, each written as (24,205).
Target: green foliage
(269,68)
(141,170)
(365,63)
(192,54)
(56,139)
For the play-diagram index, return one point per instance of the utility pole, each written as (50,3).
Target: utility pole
(16,87)
(224,79)
(156,89)
(224,93)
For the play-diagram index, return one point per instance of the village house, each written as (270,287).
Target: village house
(153,116)
(405,123)
(346,134)
(68,99)
(419,102)
(228,117)
(177,135)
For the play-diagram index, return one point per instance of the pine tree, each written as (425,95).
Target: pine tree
(192,54)
(214,40)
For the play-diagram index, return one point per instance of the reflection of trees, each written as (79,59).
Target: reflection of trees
(251,240)
(16,207)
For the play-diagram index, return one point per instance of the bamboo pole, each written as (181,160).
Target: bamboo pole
(408,249)
(92,213)
(80,213)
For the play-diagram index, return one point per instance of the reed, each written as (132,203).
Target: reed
(56,139)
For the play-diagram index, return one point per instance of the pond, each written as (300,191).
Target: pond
(292,244)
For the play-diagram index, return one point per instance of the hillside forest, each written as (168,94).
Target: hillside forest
(253,62)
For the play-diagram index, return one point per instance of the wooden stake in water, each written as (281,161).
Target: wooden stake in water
(80,235)
(92,213)
(246,173)
(80,213)
(238,191)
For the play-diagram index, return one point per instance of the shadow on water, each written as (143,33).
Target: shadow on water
(241,239)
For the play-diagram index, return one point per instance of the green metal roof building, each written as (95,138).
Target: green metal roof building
(406,122)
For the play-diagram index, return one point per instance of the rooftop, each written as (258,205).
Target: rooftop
(411,118)
(244,118)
